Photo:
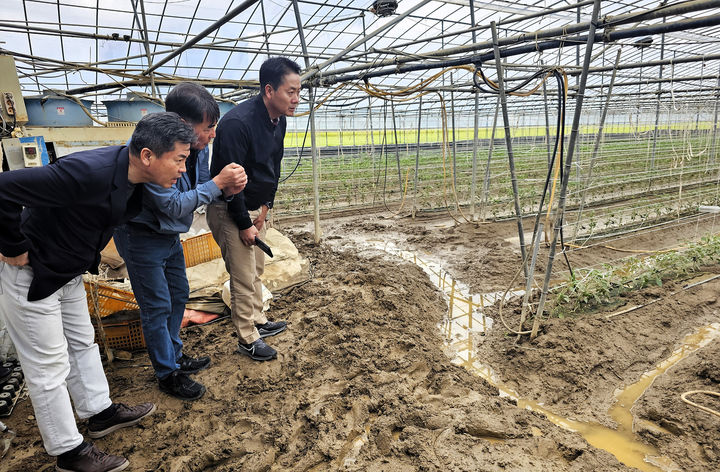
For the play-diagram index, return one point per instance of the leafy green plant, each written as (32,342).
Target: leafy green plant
(595,287)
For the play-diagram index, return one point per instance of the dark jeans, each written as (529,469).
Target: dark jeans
(156,266)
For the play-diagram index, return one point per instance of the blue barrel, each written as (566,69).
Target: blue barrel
(130,110)
(52,111)
(225,107)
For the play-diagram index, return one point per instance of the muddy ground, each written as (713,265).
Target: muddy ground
(362,381)
(697,432)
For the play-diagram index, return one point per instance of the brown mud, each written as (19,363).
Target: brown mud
(362,382)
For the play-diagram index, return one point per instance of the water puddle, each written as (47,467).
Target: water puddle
(465,320)
(620,442)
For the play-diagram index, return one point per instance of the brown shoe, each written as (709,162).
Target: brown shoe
(91,459)
(124,416)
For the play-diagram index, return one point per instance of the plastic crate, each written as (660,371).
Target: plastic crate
(127,334)
(200,249)
(123,334)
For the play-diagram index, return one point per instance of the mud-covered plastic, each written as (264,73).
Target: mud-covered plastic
(6,437)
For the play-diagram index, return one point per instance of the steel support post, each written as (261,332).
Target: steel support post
(486,181)
(508,144)
(454,143)
(313,139)
(417,161)
(713,153)
(476,123)
(547,121)
(657,105)
(473,177)
(147,44)
(596,147)
(265,37)
(397,144)
(557,226)
(528,283)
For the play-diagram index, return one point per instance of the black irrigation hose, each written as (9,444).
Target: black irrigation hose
(302,149)
(342,105)
(514,89)
(559,136)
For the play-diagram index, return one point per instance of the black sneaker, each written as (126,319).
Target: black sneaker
(191,365)
(91,459)
(271,328)
(179,385)
(257,350)
(123,417)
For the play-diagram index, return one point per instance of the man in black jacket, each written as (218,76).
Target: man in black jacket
(54,221)
(252,134)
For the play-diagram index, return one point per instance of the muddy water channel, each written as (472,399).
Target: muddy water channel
(466,324)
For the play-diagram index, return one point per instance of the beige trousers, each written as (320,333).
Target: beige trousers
(245,264)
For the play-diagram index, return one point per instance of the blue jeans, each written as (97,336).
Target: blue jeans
(156,266)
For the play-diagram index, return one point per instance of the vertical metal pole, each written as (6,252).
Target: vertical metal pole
(454,147)
(315,160)
(508,143)
(369,114)
(577,48)
(397,145)
(147,44)
(528,283)
(713,153)
(372,132)
(486,182)
(598,140)
(547,122)
(657,105)
(557,226)
(265,39)
(417,160)
(473,180)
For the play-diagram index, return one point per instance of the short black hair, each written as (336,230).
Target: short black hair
(159,132)
(193,103)
(274,70)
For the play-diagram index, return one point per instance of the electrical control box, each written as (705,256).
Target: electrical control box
(12,106)
(29,151)
(31,155)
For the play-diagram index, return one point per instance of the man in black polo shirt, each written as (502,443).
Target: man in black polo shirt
(54,221)
(251,134)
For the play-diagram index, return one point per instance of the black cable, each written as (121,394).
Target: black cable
(493,88)
(558,148)
(338,105)
(561,82)
(558,143)
(302,149)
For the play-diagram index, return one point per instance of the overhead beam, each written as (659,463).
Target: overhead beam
(533,46)
(535,36)
(232,14)
(311,73)
(476,28)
